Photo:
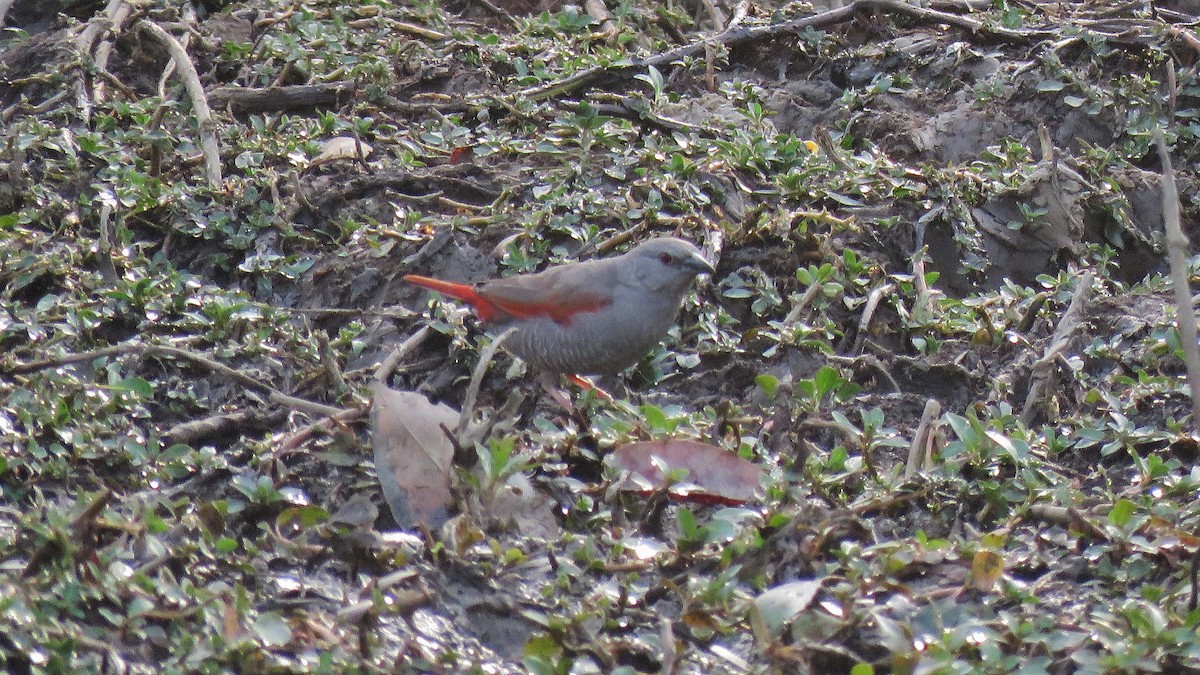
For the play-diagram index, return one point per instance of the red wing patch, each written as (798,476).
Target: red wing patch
(561,312)
(560,293)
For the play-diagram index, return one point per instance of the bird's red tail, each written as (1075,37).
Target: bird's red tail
(486,310)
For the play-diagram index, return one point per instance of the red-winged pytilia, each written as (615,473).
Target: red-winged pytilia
(596,317)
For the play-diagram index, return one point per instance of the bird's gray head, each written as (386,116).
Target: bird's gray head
(667,264)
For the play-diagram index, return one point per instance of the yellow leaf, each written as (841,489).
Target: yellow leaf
(986,568)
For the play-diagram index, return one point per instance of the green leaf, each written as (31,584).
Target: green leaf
(872,419)
(135,385)
(687,524)
(654,416)
(844,200)
(654,78)
(304,516)
(1121,512)
(177,451)
(768,383)
(826,380)
(543,647)
(837,458)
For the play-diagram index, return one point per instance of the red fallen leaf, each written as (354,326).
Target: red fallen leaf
(412,455)
(459,154)
(714,475)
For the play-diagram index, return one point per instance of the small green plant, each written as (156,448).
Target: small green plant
(499,460)
(828,385)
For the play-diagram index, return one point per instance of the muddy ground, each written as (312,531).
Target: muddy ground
(952,210)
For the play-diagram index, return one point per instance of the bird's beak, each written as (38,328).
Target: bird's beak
(700,264)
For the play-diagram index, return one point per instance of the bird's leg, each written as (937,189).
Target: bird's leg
(557,395)
(550,384)
(588,385)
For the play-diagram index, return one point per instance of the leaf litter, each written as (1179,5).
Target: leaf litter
(184,360)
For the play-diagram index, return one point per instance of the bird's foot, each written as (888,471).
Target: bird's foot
(556,394)
(550,384)
(588,385)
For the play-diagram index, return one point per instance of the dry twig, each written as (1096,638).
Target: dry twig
(864,324)
(1043,369)
(384,371)
(193,431)
(298,438)
(736,36)
(191,82)
(921,450)
(273,394)
(485,359)
(1177,255)
(1068,517)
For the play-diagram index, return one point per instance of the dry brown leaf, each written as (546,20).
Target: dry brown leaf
(413,457)
(518,503)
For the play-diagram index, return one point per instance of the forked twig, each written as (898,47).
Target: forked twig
(191,81)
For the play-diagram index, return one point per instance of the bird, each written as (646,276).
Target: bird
(596,317)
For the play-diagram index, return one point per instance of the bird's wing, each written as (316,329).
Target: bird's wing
(559,293)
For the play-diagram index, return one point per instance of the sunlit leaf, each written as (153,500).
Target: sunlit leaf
(780,604)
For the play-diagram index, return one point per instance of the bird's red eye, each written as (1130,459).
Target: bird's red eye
(665,258)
